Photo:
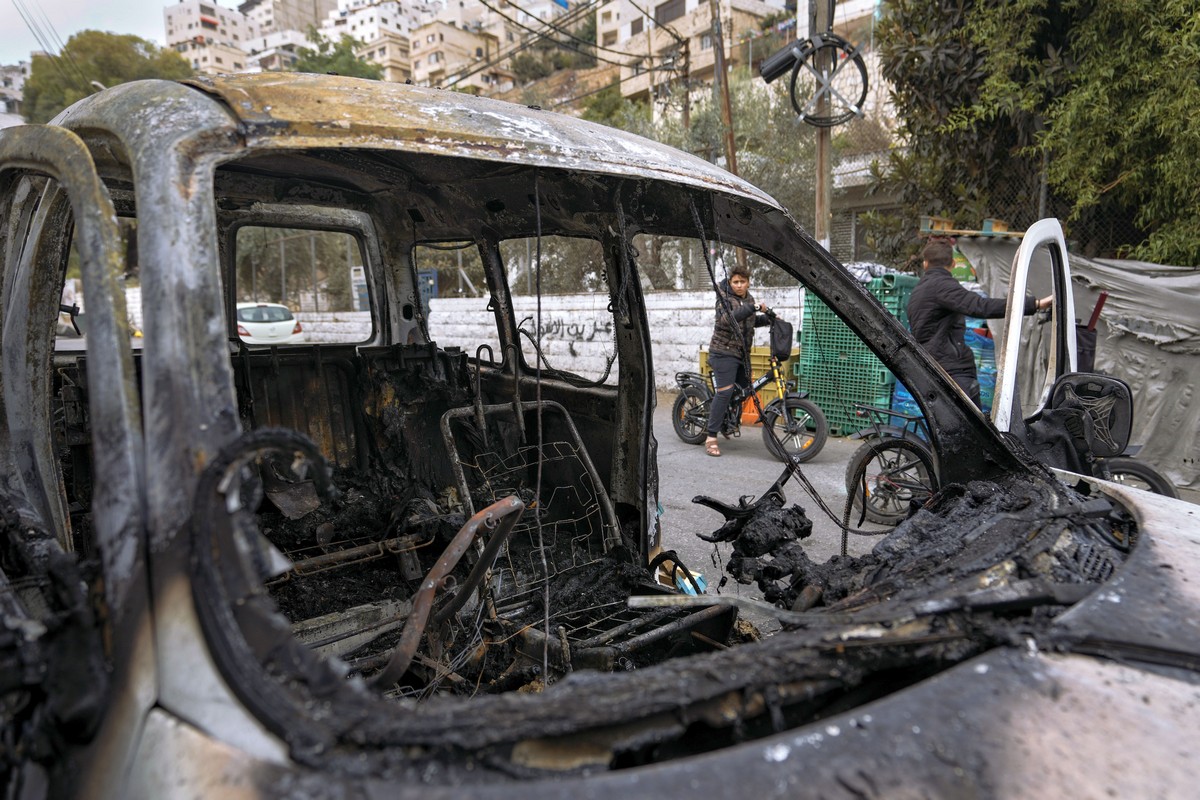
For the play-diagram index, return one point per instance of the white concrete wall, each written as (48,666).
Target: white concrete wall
(335,326)
(574,332)
(680,323)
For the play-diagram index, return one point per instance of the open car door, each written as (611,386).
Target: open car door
(1079,416)
(1048,234)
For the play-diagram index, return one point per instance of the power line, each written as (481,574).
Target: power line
(49,45)
(502,56)
(550,24)
(542,35)
(64,52)
(539,35)
(617,82)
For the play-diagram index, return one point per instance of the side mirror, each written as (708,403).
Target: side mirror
(1108,401)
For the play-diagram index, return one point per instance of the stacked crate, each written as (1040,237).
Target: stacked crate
(836,368)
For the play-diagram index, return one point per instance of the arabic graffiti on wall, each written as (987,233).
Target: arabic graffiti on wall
(585,331)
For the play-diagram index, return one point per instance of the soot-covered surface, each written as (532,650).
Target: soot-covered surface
(374,545)
(983,531)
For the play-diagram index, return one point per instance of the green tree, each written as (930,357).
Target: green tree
(528,67)
(279,265)
(775,151)
(334,58)
(1075,108)
(565,50)
(108,59)
(587,33)
(609,107)
(968,170)
(1135,88)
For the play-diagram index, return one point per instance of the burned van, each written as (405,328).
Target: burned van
(360,562)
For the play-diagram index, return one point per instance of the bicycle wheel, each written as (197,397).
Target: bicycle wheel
(794,430)
(888,475)
(1140,475)
(689,415)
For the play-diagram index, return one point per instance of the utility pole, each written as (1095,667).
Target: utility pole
(687,86)
(651,45)
(282,272)
(722,79)
(312,255)
(822,21)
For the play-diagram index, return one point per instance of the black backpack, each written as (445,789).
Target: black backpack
(781,338)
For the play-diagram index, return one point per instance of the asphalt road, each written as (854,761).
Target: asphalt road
(745,467)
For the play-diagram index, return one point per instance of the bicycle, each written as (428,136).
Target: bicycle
(894,468)
(794,427)
(897,467)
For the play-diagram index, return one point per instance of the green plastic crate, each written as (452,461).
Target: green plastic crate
(837,402)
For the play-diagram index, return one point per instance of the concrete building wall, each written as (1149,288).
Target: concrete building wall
(440,49)
(270,16)
(275,50)
(201,21)
(390,50)
(212,38)
(681,322)
(666,59)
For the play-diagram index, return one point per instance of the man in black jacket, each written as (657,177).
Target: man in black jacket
(937,309)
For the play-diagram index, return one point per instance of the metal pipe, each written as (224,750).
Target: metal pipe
(364,552)
(477,380)
(500,512)
(691,620)
(622,629)
(504,528)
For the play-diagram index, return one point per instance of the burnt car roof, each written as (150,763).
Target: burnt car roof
(302,110)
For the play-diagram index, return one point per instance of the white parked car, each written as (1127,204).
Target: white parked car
(267,323)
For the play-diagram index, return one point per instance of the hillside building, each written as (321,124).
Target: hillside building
(211,37)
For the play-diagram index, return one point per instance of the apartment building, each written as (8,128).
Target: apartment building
(12,84)
(271,16)
(440,50)
(211,37)
(673,40)
(506,25)
(384,28)
(276,50)
(617,21)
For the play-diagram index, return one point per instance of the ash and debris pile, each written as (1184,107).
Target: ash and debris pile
(981,535)
(405,526)
(359,561)
(603,582)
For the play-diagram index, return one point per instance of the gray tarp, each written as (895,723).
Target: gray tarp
(1148,335)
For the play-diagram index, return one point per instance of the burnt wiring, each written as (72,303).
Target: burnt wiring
(568,377)
(791,468)
(537,207)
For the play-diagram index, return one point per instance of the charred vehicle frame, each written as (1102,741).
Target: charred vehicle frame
(434,574)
